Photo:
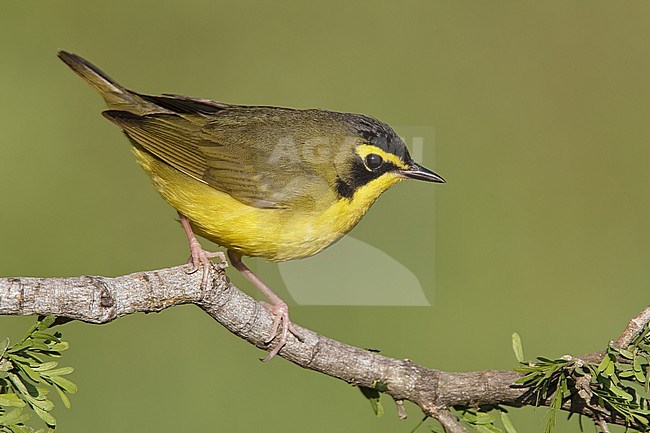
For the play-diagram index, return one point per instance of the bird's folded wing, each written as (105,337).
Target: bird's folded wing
(226,160)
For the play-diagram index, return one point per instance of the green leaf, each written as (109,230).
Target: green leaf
(527,378)
(626,354)
(549,372)
(550,422)
(487,429)
(484,418)
(637,363)
(21,428)
(33,328)
(45,416)
(46,322)
(619,392)
(11,399)
(517,347)
(45,336)
(69,386)
(16,416)
(20,347)
(60,347)
(556,403)
(45,366)
(372,395)
(469,416)
(39,345)
(3,346)
(64,398)
(640,377)
(377,406)
(18,384)
(604,363)
(40,403)
(507,424)
(59,371)
(33,375)
(26,357)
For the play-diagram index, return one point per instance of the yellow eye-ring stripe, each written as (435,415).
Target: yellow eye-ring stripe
(364,150)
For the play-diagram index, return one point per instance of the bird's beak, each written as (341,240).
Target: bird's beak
(416,171)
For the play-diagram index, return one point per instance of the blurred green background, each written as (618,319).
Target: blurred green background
(540,112)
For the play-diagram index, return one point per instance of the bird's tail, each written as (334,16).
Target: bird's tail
(115,95)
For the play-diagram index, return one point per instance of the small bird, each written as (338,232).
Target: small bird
(261,181)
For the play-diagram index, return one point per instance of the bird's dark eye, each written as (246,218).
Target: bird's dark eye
(374,161)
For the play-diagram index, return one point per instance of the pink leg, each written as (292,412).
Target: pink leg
(200,257)
(281,323)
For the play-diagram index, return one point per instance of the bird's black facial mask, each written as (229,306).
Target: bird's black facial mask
(381,151)
(378,151)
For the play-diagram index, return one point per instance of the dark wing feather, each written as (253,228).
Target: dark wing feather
(234,154)
(167,136)
(184,104)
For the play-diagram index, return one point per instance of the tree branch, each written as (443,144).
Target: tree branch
(448,421)
(101,300)
(633,328)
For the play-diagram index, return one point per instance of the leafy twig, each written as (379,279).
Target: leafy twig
(28,373)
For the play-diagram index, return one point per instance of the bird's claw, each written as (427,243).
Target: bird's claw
(202,258)
(280,328)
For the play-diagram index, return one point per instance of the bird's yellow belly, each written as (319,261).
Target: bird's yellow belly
(275,234)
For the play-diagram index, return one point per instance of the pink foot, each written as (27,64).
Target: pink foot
(280,328)
(202,258)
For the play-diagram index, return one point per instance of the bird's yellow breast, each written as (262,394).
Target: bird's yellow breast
(275,234)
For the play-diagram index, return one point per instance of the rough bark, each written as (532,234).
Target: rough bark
(101,300)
